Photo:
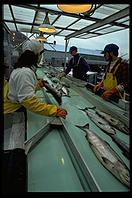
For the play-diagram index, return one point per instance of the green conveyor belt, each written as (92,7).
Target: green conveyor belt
(50,168)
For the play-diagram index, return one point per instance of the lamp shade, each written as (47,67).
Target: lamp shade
(47,28)
(75,8)
(41,38)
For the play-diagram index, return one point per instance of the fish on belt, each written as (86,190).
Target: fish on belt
(107,156)
(112,121)
(109,130)
(63,90)
(57,95)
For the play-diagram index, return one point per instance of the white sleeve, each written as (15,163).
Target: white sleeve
(22,84)
(27,88)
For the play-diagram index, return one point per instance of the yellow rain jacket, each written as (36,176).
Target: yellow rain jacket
(29,101)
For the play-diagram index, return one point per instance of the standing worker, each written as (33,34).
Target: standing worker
(78,64)
(19,95)
(116,74)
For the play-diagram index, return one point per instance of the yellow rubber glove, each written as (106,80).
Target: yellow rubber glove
(34,105)
(61,75)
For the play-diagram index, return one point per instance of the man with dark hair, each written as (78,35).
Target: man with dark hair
(78,64)
(116,74)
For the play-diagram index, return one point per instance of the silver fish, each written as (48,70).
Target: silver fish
(55,80)
(59,87)
(107,156)
(100,122)
(112,121)
(65,84)
(65,90)
(105,126)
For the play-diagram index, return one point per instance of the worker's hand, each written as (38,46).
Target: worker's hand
(97,87)
(61,113)
(61,75)
(41,82)
(106,95)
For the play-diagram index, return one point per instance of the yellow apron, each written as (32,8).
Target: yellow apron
(110,81)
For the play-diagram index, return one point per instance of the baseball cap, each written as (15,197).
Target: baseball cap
(73,48)
(110,48)
(34,46)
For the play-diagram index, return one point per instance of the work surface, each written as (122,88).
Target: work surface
(51,166)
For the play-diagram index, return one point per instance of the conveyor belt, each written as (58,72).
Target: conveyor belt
(55,163)
(73,151)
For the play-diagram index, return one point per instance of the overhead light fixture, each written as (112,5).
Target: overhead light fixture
(46,27)
(41,37)
(75,8)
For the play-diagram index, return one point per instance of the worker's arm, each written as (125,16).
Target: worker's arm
(98,86)
(40,84)
(34,105)
(69,67)
(122,79)
(67,70)
(61,75)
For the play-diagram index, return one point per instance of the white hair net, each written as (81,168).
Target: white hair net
(33,45)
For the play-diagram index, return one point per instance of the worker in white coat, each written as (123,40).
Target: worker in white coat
(19,95)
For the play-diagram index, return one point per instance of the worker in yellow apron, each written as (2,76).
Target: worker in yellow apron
(116,74)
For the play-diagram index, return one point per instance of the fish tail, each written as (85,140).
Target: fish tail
(126,130)
(86,108)
(84,128)
(90,108)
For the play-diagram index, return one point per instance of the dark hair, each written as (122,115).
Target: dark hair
(115,53)
(26,59)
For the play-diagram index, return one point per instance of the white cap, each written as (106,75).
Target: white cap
(33,45)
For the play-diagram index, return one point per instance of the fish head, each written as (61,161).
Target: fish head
(124,174)
(125,129)
(110,130)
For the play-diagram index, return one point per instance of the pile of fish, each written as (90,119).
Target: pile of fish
(107,156)
(63,89)
(104,122)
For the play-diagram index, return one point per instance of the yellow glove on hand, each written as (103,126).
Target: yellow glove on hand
(61,75)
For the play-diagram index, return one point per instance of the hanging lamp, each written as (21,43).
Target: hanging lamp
(46,27)
(75,8)
(41,37)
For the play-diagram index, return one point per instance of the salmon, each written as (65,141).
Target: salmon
(107,156)
(112,121)
(109,130)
